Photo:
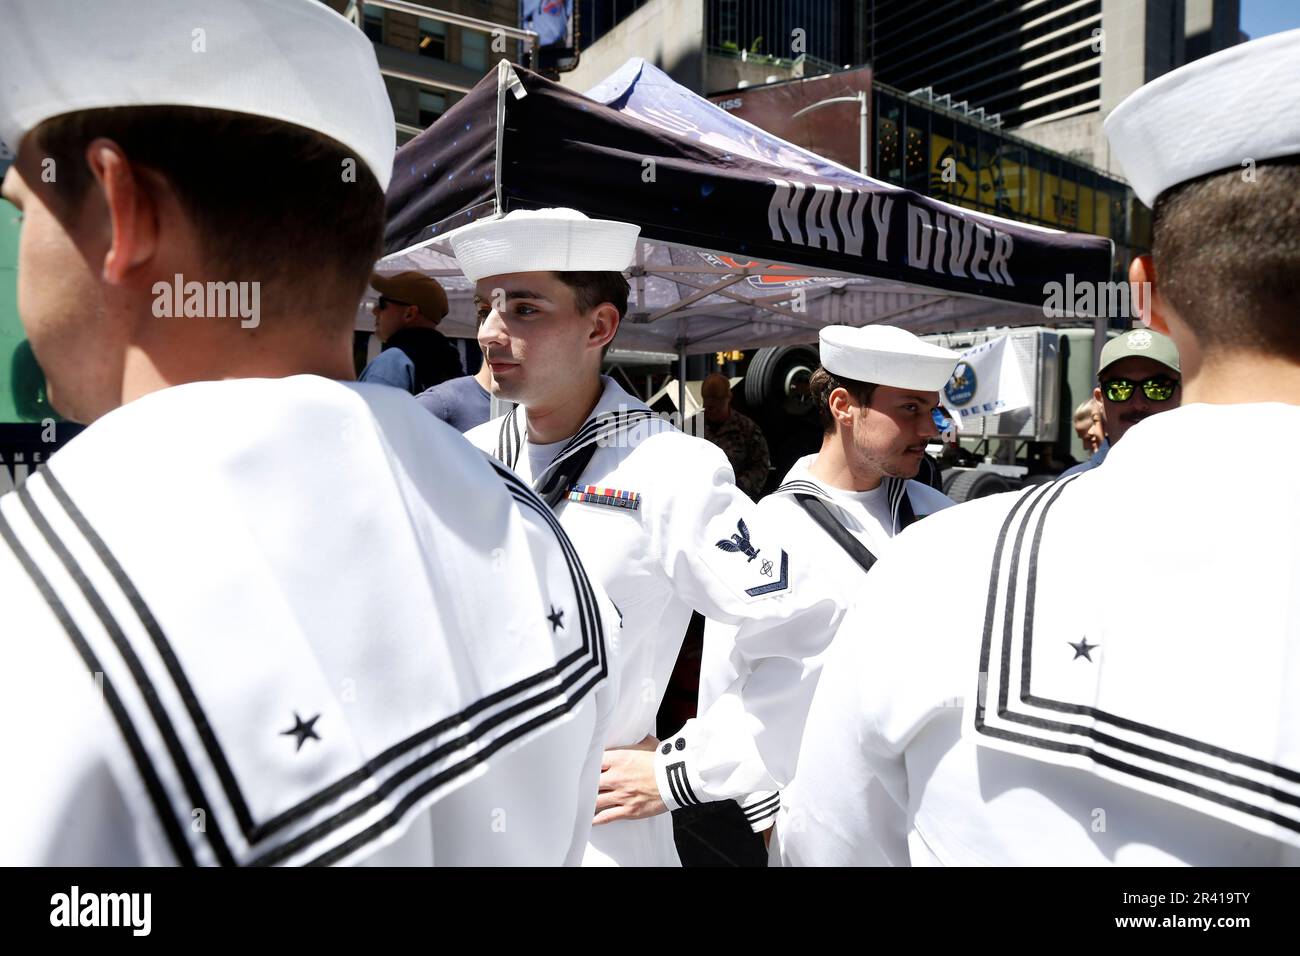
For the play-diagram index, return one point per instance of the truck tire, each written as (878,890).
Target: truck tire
(777,378)
(969,485)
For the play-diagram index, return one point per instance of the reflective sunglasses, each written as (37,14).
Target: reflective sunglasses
(385,302)
(1158,389)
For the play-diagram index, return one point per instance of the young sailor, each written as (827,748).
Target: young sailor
(256,613)
(877,395)
(654,513)
(1007,724)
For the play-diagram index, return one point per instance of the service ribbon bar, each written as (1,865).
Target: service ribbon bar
(610,497)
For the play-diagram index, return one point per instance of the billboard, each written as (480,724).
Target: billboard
(831,131)
(552,20)
(1000,180)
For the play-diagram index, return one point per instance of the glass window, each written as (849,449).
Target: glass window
(432,105)
(1066,204)
(374,24)
(1087,200)
(1105,223)
(889,156)
(473,50)
(1034,186)
(945,168)
(972,183)
(433,39)
(993,193)
(916,150)
(1013,176)
(1140,220)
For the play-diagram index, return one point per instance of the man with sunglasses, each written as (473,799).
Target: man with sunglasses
(1140,377)
(416,355)
(1006,723)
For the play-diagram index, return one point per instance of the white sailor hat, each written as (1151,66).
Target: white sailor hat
(1219,112)
(884,355)
(543,240)
(292,60)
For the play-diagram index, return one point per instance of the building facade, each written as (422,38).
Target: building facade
(428,62)
(1049,69)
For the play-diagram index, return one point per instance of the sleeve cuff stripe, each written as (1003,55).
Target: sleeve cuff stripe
(762,810)
(681,785)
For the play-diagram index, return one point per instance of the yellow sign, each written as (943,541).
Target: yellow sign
(963,176)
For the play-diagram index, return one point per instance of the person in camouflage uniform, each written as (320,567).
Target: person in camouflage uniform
(737,435)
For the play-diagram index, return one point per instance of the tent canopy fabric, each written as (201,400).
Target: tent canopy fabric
(746,240)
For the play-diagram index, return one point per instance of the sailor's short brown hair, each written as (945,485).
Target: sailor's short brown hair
(591,289)
(823,383)
(1226,249)
(270,201)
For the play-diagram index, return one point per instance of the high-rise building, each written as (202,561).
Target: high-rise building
(1029,61)
(710,45)
(1050,69)
(428,61)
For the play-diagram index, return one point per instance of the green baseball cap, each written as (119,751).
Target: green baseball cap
(1141,343)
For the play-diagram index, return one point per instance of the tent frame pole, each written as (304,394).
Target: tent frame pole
(681,370)
(700,293)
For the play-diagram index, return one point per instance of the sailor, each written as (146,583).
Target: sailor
(655,515)
(877,395)
(1006,723)
(254,612)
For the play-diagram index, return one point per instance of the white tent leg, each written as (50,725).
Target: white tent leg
(681,384)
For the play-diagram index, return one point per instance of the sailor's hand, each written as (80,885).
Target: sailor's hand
(628,790)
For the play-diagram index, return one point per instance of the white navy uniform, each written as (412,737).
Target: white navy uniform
(1009,723)
(872,518)
(662,527)
(292,621)
(1017,724)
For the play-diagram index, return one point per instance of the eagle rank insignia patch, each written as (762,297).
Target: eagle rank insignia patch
(740,543)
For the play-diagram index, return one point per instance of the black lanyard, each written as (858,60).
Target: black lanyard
(818,511)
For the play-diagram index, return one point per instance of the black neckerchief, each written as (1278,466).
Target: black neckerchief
(563,473)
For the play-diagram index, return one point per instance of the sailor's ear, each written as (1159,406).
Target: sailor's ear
(1142,279)
(841,405)
(604,325)
(132,210)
